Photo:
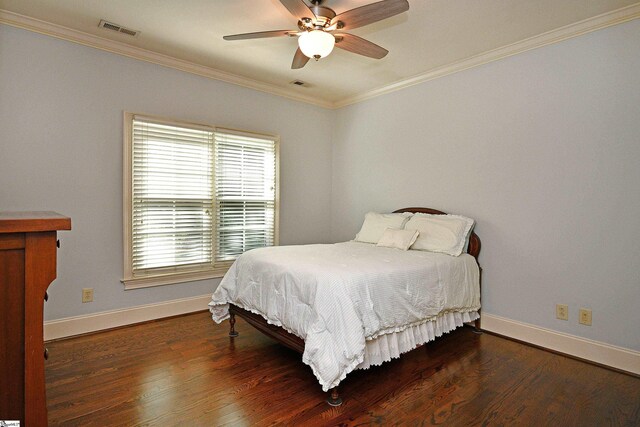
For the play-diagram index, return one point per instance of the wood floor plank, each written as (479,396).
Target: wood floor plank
(187,371)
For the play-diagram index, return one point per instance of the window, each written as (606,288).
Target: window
(195,197)
(245,177)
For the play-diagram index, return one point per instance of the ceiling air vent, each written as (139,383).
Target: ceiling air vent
(299,83)
(117,28)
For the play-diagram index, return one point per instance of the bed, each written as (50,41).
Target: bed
(351,305)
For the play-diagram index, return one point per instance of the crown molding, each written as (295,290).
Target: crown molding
(598,22)
(86,39)
(554,36)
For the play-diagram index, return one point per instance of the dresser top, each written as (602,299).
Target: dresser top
(33,221)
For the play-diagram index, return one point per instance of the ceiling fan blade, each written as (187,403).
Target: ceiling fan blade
(360,46)
(370,13)
(260,35)
(298,8)
(299,60)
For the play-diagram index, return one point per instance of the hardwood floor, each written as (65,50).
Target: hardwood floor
(186,371)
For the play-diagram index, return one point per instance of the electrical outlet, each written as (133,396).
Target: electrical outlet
(562,311)
(87,294)
(585,317)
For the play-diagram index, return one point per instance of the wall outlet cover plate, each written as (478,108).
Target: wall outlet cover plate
(562,311)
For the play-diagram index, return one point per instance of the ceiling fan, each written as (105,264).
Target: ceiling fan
(320,28)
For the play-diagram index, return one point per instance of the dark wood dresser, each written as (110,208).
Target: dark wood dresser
(28,244)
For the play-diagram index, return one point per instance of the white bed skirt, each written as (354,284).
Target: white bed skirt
(390,346)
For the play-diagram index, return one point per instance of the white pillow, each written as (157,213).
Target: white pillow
(440,233)
(398,239)
(376,223)
(465,249)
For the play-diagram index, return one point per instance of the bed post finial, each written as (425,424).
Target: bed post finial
(232,326)
(334,398)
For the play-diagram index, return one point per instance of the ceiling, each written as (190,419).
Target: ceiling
(433,34)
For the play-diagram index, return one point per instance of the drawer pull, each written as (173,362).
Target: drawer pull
(46,353)
(46,296)
(58,243)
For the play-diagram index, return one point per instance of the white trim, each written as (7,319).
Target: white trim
(172,278)
(76,325)
(588,25)
(86,39)
(127,191)
(606,354)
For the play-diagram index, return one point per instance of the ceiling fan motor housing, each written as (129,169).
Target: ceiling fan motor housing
(323,17)
(323,13)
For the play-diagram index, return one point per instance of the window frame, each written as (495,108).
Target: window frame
(166,276)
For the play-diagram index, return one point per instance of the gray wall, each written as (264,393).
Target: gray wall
(61,110)
(543,150)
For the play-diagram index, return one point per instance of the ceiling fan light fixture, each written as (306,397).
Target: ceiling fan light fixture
(316,44)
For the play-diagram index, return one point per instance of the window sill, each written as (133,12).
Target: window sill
(171,279)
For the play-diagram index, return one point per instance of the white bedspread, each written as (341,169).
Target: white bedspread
(338,296)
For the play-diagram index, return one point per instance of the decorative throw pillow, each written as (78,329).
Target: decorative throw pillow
(398,239)
(440,233)
(375,224)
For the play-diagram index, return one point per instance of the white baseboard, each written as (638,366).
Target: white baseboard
(595,351)
(605,354)
(77,325)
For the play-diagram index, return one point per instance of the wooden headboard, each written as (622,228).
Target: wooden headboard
(474,240)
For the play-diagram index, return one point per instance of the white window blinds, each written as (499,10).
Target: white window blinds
(196,197)
(172,197)
(245,180)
